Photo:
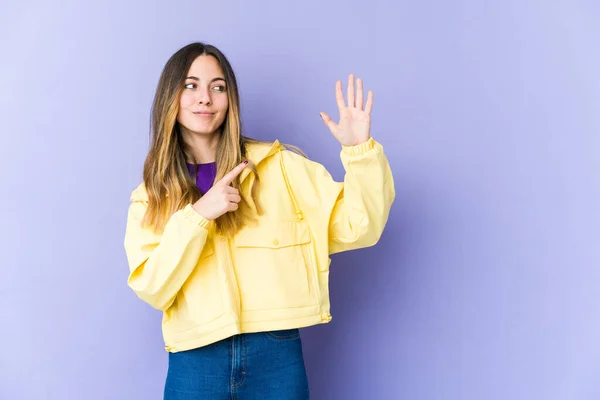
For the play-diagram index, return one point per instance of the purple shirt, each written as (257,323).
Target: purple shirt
(205,176)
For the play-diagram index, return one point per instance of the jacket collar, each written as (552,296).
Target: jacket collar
(259,152)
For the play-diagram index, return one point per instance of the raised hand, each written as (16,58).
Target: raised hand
(222,197)
(355,118)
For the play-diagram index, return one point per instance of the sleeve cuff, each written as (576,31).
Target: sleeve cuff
(191,214)
(359,149)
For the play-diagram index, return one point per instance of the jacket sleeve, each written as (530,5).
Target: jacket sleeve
(358,208)
(160,264)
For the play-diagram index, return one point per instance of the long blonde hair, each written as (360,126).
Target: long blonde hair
(166,177)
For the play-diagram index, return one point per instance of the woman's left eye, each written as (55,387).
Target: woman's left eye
(219,88)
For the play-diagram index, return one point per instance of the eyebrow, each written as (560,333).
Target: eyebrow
(211,81)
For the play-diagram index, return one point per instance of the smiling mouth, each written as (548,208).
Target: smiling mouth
(204,114)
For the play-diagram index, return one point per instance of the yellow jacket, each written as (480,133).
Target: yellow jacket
(269,276)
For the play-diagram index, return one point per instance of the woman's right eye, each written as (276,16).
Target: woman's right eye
(190,86)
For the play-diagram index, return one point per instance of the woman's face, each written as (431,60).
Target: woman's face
(204,102)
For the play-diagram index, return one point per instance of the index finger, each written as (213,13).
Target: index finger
(339,96)
(231,175)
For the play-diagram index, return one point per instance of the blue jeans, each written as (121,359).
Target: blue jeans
(264,365)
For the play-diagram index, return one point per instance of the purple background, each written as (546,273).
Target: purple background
(486,282)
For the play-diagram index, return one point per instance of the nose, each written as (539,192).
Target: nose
(203,96)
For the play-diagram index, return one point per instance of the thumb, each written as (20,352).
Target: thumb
(329,122)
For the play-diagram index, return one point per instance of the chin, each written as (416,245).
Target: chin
(204,132)
(205,129)
(199,129)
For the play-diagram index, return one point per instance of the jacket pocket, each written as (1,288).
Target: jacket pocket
(275,265)
(200,299)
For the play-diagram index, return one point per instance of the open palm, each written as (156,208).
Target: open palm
(355,118)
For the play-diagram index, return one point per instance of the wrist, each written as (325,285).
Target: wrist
(359,148)
(198,209)
(190,213)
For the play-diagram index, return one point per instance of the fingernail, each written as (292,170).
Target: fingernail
(321,115)
(246,162)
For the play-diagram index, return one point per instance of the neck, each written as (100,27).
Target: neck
(201,148)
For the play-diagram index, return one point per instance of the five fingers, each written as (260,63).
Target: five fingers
(355,95)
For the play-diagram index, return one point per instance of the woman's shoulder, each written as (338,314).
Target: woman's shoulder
(139,193)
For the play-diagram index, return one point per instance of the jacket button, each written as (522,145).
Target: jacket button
(275,242)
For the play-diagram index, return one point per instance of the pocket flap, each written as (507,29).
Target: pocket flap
(273,235)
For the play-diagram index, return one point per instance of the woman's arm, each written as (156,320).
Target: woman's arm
(363,204)
(159,264)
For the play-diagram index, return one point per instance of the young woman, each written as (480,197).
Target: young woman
(230,237)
